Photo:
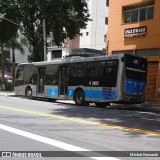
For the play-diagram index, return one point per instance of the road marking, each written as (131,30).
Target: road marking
(49,141)
(136,130)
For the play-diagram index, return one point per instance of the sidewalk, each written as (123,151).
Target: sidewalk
(147,106)
(6,93)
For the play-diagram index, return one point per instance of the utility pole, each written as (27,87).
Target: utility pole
(51,34)
(44,39)
(44,36)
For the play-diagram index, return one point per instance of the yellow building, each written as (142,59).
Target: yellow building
(134,28)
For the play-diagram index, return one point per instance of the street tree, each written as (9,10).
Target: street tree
(17,42)
(7,31)
(64,18)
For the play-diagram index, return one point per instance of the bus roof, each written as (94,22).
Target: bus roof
(76,59)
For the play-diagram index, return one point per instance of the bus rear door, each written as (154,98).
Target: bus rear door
(63,80)
(41,81)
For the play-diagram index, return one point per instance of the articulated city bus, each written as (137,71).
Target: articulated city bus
(101,80)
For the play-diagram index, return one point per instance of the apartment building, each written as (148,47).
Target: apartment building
(94,36)
(134,28)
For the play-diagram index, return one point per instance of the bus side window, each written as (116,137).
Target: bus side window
(29,72)
(77,70)
(19,74)
(111,71)
(95,69)
(19,77)
(92,73)
(51,77)
(33,79)
(54,79)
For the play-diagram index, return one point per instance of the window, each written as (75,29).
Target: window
(56,54)
(51,77)
(142,14)
(106,20)
(104,71)
(139,12)
(81,34)
(127,16)
(95,69)
(20,73)
(107,3)
(87,33)
(110,73)
(28,74)
(77,74)
(77,70)
(134,17)
(104,38)
(150,12)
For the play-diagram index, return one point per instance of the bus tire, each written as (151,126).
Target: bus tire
(102,104)
(28,93)
(79,98)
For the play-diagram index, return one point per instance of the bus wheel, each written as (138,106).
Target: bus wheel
(102,105)
(79,98)
(28,92)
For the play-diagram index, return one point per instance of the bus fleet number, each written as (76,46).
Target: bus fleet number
(94,83)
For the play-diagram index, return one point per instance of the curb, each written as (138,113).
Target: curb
(147,106)
(6,93)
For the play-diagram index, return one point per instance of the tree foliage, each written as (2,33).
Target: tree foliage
(16,42)
(64,18)
(7,31)
(7,15)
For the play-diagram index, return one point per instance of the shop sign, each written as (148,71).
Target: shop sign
(135,32)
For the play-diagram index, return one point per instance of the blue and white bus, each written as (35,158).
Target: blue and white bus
(101,80)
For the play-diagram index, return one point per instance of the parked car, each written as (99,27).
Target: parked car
(7,77)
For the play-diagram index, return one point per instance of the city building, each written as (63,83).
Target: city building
(19,57)
(93,37)
(134,28)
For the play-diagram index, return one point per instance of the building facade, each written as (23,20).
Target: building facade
(94,36)
(19,57)
(134,28)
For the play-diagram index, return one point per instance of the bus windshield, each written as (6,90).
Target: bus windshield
(135,67)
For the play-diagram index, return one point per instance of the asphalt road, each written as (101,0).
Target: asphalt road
(34,125)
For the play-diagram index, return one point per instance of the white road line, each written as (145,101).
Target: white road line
(49,141)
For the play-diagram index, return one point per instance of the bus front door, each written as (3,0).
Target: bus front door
(63,81)
(41,81)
